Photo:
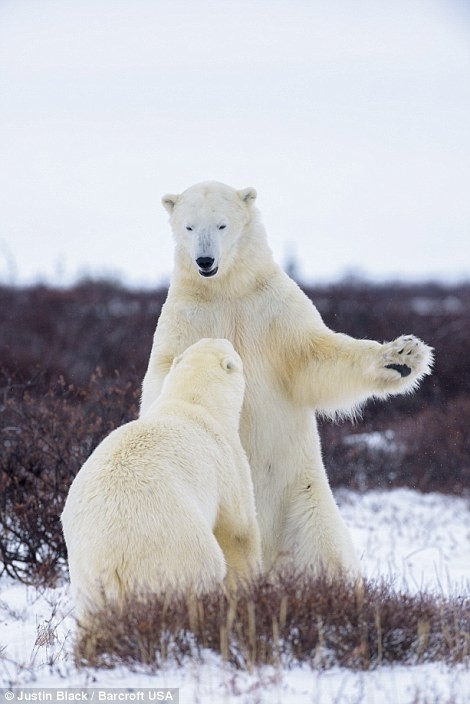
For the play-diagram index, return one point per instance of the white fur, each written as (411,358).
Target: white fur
(293,365)
(144,511)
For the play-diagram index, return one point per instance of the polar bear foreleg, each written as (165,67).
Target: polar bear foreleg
(237,533)
(342,372)
(242,554)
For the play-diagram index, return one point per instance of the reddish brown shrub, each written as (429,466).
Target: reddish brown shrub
(296,621)
(428,450)
(44,440)
(55,406)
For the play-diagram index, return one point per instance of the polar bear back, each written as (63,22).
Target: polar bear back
(141,513)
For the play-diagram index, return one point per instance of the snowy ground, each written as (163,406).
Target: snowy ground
(418,542)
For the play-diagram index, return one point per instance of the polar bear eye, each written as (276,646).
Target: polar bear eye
(189,228)
(222,227)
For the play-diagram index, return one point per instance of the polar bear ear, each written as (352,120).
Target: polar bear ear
(169,201)
(248,195)
(230,364)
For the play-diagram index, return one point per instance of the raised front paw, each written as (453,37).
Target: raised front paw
(407,356)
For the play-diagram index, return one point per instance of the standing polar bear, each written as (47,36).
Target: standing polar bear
(166,502)
(226,284)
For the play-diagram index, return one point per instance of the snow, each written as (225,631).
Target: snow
(420,541)
(416,541)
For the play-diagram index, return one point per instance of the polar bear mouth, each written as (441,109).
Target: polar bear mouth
(207,274)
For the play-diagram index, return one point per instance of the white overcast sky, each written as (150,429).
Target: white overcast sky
(350,117)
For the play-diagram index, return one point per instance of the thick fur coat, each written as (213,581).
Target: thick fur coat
(165,503)
(226,284)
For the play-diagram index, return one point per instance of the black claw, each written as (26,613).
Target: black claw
(402,369)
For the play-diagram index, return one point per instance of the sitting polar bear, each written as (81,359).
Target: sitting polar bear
(166,502)
(226,284)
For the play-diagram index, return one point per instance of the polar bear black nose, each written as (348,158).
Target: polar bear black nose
(204,262)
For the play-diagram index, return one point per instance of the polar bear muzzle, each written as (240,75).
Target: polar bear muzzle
(204,265)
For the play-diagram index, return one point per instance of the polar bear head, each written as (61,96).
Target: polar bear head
(208,373)
(208,220)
